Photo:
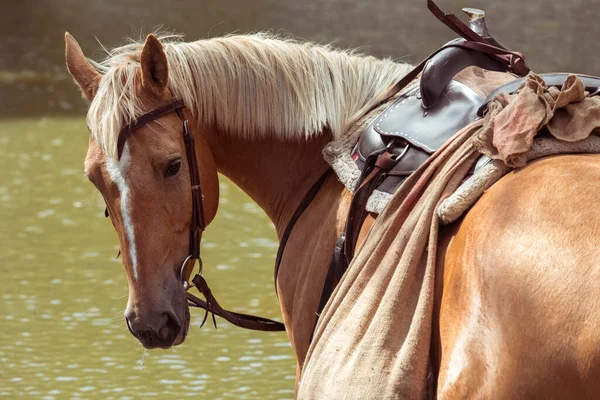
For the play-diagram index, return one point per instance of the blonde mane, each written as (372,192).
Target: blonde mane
(248,85)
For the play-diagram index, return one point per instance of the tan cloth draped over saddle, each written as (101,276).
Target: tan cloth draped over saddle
(512,121)
(373,337)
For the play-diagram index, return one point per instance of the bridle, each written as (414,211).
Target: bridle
(197,225)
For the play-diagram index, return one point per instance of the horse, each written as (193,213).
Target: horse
(517,301)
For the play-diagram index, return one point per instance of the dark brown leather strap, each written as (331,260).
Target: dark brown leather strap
(238,319)
(357,212)
(303,205)
(337,268)
(515,61)
(245,320)
(197,224)
(150,116)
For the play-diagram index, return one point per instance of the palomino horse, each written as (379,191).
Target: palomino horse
(518,300)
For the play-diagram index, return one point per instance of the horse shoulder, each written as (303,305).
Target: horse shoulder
(519,309)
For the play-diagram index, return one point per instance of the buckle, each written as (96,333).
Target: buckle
(394,156)
(398,157)
(187,133)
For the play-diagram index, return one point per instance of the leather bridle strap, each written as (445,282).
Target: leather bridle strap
(198,223)
(244,320)
(251,321)
(238,319)
(174,105)
(302,206)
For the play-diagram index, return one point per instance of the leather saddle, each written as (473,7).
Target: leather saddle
(456,84)
(424,117)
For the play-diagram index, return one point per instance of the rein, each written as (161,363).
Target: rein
(197,225)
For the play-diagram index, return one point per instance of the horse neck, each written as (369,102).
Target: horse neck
(276,174)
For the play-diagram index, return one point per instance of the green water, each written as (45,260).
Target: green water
(62,292)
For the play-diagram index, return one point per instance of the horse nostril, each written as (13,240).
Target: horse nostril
(163,333)
(171,327)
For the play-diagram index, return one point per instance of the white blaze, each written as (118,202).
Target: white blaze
(116,171)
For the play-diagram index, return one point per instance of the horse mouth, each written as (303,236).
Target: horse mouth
(185,326)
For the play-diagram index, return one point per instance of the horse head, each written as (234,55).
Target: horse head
(146,187)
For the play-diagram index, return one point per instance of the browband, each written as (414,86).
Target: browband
(158,112)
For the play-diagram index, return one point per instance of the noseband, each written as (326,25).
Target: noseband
(197,225)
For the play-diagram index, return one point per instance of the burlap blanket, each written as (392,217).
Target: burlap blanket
(373,337)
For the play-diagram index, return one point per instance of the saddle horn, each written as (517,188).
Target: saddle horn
(478,25)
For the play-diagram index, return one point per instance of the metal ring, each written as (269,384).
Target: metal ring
(398,157)
(186,285)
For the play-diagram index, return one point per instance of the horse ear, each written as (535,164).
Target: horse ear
(155,70)
(82,71)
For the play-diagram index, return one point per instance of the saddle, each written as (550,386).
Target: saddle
(413,130)
(447,91)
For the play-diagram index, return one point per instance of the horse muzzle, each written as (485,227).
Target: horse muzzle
(158,329)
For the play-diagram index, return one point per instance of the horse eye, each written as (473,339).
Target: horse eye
(173,168)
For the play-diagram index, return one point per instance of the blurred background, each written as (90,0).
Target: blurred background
(62,292)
